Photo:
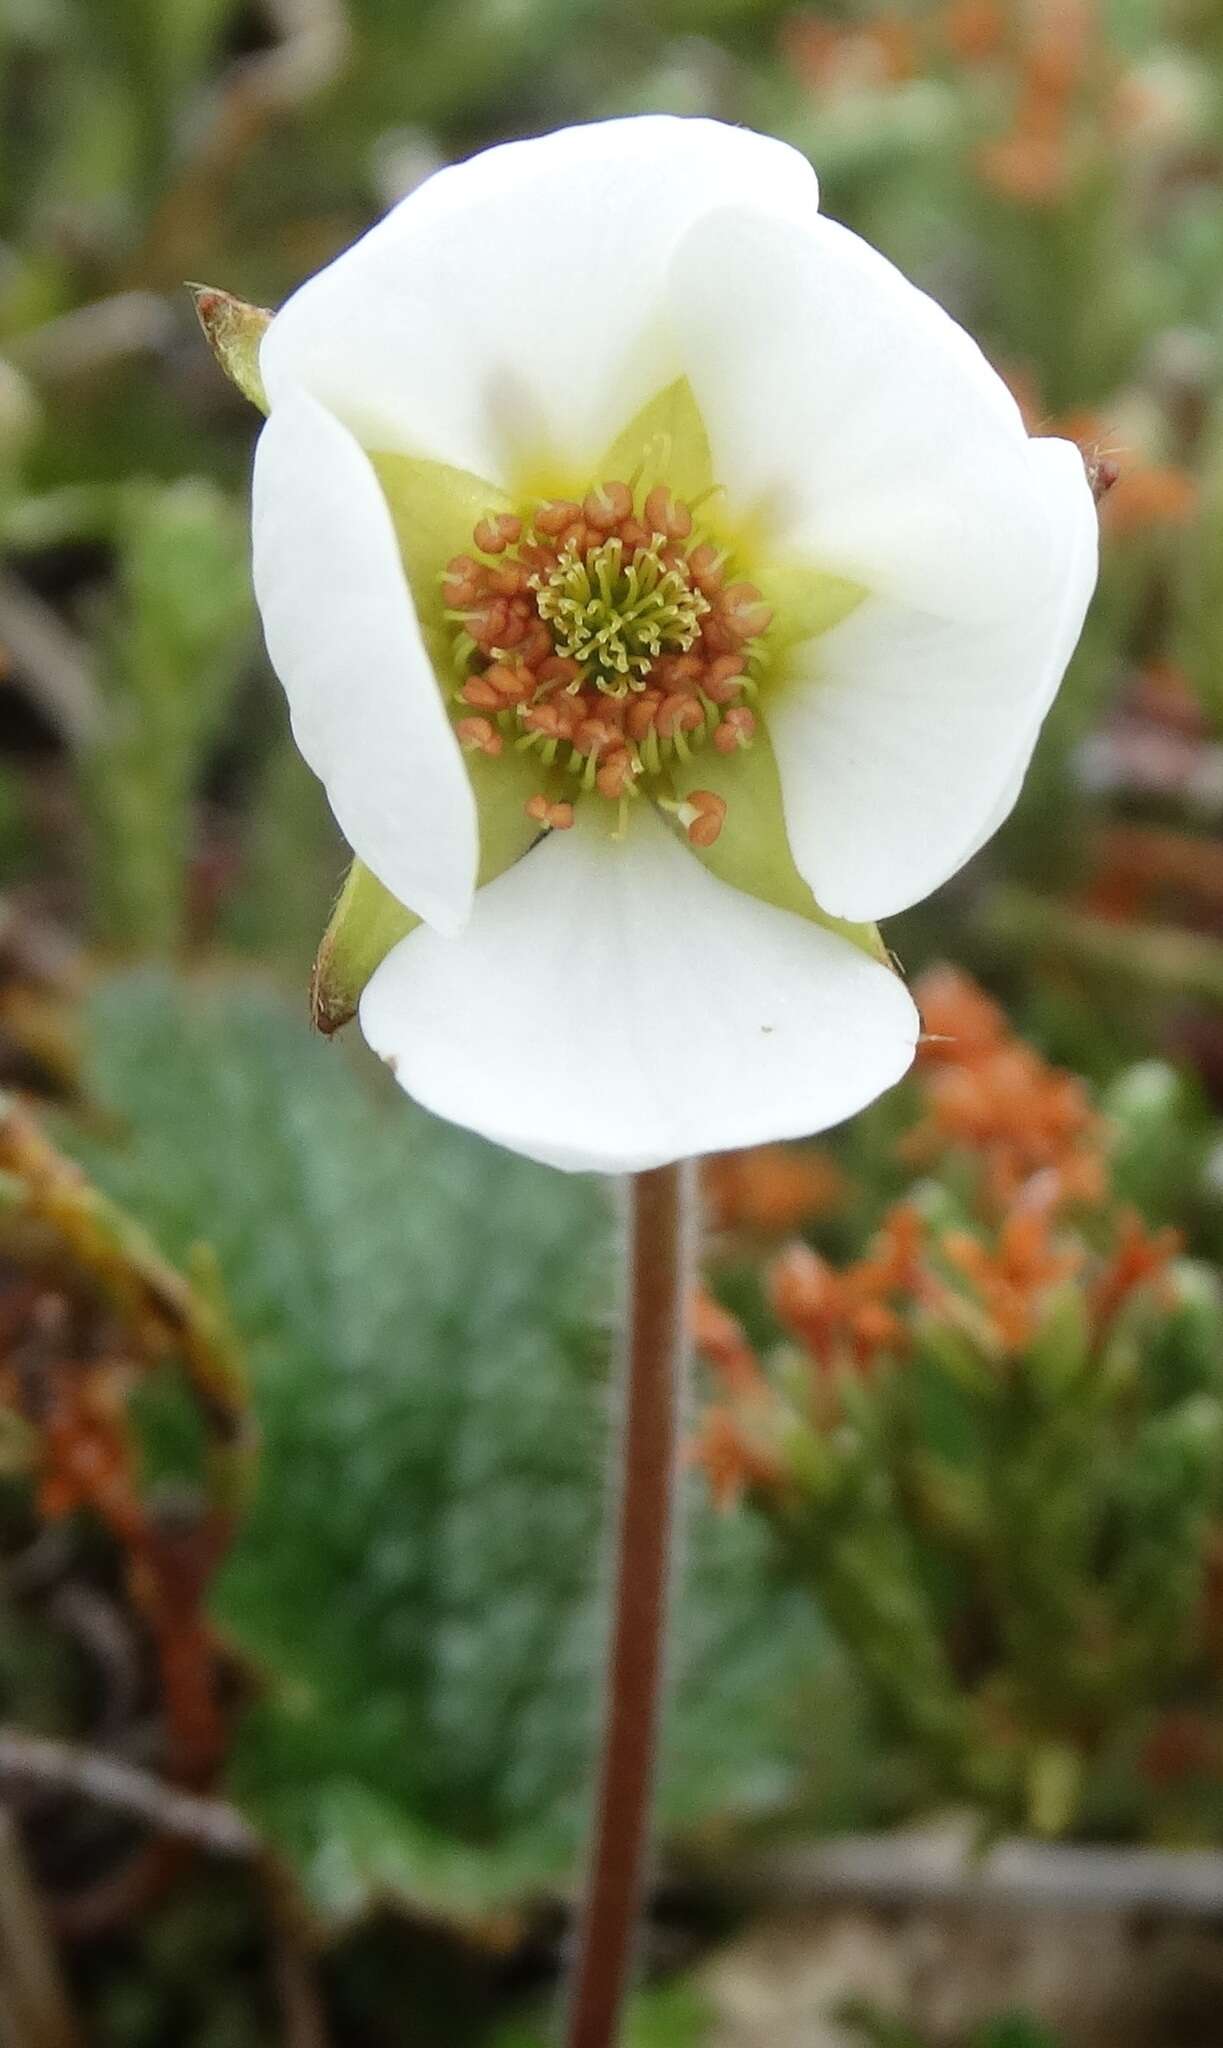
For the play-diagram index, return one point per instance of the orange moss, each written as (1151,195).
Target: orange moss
(988,1100)
(1149,495)
(722,1341)
(771,1188)
(1014,1277)
(853,1316)
(988,1093)
(829,57)
(1140,1258)
(960,1023)
(1028,167)
(731,1462)
(974,31)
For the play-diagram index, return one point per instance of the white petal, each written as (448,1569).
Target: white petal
(511,307)
(612,1007)
(904,745)
(343,638)
(853,414)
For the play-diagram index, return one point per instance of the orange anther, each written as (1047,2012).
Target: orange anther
(510,579)
(680,673)
(711,812)
(556,671)
(555,721)
(735,731)
(634,535)
(667,515)
(514,631)
(595,736)
(463,582)
(606,506)
(705,566)
(678,714)
(539,556)
(721,683)
(616,774)
(489,624)
(477,691)
(496,531)
(478,736)
(512,685)
(743,611)
(536,647)
(555,515)
(641,712)
(554,817)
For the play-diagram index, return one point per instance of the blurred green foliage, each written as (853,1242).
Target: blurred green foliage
(417,1587)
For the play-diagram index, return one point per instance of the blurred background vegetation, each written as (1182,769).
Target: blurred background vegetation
(298,1600)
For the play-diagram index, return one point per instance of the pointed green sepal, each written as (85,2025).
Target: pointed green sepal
(365,924)
(665,442)
(234,331)
(752,851)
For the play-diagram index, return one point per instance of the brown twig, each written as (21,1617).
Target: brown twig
(659,1256)
(209,1824)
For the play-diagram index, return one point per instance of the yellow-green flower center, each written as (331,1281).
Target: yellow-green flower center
(614,612)
(608,638)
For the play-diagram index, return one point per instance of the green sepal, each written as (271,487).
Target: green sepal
(234,331)
(666,443)
(806,602)
(752,851)
(366,923)
(434,508)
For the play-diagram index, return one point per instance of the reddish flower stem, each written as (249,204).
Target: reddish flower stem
(659,1261)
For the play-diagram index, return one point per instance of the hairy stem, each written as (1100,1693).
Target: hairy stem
(659,1256)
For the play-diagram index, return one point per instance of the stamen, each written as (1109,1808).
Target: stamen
(616,774)
(607,505)
(553,817)
(702,816)
(596,636)
(477,736)
(496,531)
(736,730)
(666,516)
(743,612)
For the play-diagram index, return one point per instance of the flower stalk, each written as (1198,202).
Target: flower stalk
(660,1254)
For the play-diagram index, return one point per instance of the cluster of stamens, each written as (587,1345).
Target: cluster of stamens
(610,641)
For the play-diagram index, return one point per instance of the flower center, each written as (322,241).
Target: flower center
(610,639)
(614,613)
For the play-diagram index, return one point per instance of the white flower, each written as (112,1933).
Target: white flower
(631,755)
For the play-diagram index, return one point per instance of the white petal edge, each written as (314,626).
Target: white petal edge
(852,415)
(614,1007)
(344,640)
(510,309)
(902,738)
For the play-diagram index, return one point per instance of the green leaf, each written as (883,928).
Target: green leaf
(418,1584)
